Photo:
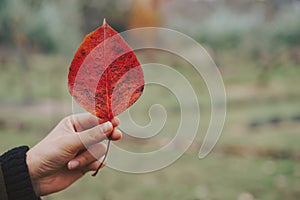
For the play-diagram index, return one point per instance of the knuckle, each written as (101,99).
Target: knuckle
(84,159)
(101,129)
(94,136)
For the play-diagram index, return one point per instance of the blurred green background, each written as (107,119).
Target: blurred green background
(256,45)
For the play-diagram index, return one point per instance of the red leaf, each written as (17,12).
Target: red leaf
(105,76)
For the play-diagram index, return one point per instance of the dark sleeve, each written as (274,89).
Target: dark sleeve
(16,176)
(3,193)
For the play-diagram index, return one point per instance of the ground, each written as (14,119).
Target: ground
(257,156)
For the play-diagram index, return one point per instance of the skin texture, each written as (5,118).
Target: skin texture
(62,157)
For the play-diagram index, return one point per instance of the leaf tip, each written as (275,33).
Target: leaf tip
(104,22)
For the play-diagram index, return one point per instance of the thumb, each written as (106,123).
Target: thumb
(93,135)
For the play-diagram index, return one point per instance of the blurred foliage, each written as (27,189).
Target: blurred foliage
(229,40)
(229,29)
(245,26)
(43,26)
(47,26)
(94,11)
(287,31)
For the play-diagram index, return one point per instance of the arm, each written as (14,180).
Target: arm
(15,176)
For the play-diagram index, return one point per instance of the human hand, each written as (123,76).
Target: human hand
(70,150)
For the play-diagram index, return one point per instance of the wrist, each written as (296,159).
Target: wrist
(16,174)
(31,164)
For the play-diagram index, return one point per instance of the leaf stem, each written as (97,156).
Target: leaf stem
(96,172)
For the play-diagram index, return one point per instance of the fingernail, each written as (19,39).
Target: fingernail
(107,126)
(117,135)
(116,121)
(73,164)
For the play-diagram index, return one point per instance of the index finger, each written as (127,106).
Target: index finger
(84,121)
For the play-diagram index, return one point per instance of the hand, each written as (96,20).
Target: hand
(62,156)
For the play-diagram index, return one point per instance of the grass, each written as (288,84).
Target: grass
(221,175)
(191,178)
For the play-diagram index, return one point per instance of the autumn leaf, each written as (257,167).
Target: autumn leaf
(105,77)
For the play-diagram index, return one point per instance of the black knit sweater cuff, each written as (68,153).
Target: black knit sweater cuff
(16,175)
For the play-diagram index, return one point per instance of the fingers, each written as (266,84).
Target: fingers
(115,122)
(85,121)
(93,153)
(116,134)
(84,139)
(94,166)
(94,135)
(84,159)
